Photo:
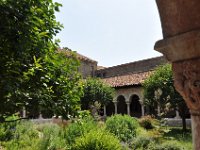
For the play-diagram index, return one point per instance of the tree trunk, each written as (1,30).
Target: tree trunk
(182,111)
(184,123)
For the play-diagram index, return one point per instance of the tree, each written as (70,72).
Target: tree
(32,72)
(96,91)
(61,87)
(160,91)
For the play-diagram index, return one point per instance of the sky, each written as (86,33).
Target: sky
(111,32)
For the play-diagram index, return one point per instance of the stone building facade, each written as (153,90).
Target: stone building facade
(127,80)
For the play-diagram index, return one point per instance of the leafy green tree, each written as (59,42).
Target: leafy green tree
(168,97)
(96,91)
(61,87)
(33,74)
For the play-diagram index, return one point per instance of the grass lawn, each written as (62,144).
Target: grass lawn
(176,134)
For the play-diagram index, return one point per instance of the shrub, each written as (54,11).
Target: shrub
(28,136)
(6,131)
(97,140)
(146,122)
(25,136)
(52,137)
(141,142)
(79,128)
(124,127)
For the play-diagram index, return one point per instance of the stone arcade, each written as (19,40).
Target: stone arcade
(126,79)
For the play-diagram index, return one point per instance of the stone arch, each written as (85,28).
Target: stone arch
(135,106)
(121,105)
(110,109)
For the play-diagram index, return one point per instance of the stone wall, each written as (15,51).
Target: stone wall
(87,68)
(133,67)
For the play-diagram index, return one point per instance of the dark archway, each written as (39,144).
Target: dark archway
(110,109)
(135,106)
(121,105)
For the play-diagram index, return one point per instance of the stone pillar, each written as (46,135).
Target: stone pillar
(115,103)
(180,20)
(24,112)
(104,111)
(159,113)
(128,108)
(184,53)
(177,114)
(40,116)
(142,108)
(187,82)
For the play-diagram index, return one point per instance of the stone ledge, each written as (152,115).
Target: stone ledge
(181,47)
(177,122)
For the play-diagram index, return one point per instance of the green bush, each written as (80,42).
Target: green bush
(52,137)
(124,127)
(25,136)
(79,128)
(141,142)
(97,140)
(28,136)
(6,131)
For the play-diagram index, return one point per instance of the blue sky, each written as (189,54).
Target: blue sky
(111,32)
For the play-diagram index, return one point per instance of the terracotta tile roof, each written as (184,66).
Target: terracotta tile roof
(127,80)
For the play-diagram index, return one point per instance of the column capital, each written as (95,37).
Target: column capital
(181,47)
(187,82)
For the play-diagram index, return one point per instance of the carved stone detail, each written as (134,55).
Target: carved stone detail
(187,82)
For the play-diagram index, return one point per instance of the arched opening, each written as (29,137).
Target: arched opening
(121,105)
(110,109)
(135,106)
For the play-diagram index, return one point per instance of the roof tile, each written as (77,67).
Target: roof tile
(127,80)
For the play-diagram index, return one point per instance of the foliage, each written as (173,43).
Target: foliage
(183,138)
(124,127)
(150,141)
(79,128)
(63,87)
(146,122)
(97,140)
(83,114)
(165,146)
(96,91)
(169,98)
(33,74)
(6,131)
(27,135)
(24,137)
(87,134)
(52,137)
(141,142)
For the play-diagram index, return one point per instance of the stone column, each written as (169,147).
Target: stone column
(142,108)
(24,112)
(128,108)
(180,20)
(115,103)
(184,53)
(104,111)
(177,114)
(187,82)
